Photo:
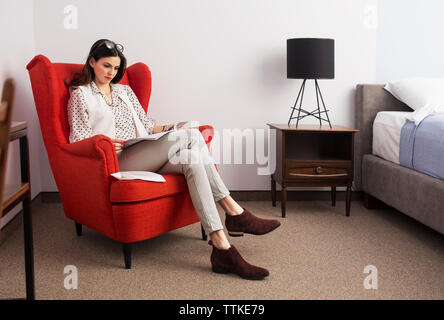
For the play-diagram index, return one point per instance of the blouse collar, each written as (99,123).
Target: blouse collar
(115,88)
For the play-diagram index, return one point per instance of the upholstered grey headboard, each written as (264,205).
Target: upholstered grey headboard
(370,99)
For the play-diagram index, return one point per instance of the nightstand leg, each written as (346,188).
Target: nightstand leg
(333,196)
(284,201)
(273,192)
(348,201)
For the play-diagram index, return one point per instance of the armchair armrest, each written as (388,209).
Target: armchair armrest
(98,147)
(82,171)
(207,132)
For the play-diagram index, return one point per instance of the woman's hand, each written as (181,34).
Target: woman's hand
(169,127)
(158,129)
(118,144)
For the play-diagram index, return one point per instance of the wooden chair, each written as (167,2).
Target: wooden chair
(11,195)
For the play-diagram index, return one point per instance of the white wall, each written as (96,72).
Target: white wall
(220,62)
(410,39)
(17,37)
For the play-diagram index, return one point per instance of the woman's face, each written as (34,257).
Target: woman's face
(105,69)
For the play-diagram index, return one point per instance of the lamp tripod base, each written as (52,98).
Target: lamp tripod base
(317,113)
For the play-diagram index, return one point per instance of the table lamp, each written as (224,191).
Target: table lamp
(310,58)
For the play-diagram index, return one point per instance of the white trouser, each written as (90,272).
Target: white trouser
(184,152)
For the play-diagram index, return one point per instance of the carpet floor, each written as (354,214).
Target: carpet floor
(316,253)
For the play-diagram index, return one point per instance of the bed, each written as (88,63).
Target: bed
(413,193)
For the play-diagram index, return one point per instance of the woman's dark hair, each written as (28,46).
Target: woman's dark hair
(100,49)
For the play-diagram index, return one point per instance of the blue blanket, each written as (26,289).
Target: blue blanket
(422,147)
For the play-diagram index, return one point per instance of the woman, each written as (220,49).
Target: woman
(99,105)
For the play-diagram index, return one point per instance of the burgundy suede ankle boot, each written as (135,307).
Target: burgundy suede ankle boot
(230,261)
(246,222)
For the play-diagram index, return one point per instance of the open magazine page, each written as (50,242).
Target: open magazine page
(155,136)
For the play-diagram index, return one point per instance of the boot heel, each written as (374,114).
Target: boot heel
(236,234)
(219,270)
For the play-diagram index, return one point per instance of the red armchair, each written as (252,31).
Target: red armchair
(123,210)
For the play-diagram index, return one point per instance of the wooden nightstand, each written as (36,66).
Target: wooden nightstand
(313,156)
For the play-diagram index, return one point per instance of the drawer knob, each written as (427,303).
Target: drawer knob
(319,170)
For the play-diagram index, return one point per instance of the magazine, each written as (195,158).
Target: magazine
(156,136)
(141,175)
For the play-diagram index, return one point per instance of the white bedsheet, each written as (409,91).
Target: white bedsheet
(387,134)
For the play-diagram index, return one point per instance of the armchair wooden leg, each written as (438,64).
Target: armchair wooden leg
(78,229)
(333,196)
(127,255)
(204,236)
(347,201)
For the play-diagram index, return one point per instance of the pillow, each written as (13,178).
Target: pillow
(418,93)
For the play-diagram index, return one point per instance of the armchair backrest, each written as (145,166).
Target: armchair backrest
(51,95)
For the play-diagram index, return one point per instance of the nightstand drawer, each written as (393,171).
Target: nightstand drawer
(321,171)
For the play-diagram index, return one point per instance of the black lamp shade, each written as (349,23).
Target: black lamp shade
(310,58)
